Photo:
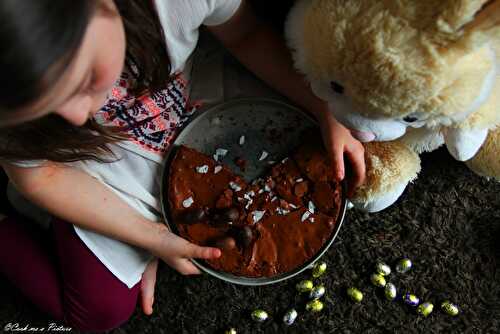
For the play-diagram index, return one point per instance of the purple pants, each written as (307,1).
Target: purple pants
(60,275)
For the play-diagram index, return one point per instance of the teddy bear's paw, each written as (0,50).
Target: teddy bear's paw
(390,166)
(382,202)
(486,162)
(464,144)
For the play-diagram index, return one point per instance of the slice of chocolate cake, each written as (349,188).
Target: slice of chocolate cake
(265,228)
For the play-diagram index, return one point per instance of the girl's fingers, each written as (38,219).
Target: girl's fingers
(185,267)
(337,157)
(357,161)
(148,287)
(198,252)
(185,249)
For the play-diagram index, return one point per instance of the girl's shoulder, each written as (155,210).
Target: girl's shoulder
(194,13)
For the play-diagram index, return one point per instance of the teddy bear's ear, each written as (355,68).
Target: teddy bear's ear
(470,24)
(486,20)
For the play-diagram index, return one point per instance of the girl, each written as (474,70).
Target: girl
(92,94)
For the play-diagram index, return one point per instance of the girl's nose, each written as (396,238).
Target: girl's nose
(77,112)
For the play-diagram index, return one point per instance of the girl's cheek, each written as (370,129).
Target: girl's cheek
(99,100)
(107,74)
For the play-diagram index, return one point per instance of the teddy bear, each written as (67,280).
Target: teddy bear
(406,77)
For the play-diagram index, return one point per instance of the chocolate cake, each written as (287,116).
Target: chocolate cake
(265,228)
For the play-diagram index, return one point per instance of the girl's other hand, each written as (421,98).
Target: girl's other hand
(339,142)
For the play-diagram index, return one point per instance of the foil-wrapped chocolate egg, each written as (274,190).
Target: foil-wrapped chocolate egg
(231,214)
(226,244)
(245,236)
(259,315)
(193,216)
(317,292)
(231,331)
(304,286)
(425,309)
(390,291)
(378,280)
(226,217)
(404,265)
(319,269)
(355,295)
(289,317)
(449,308)
(410,299)
(314,305)
(382,268)
(300,189)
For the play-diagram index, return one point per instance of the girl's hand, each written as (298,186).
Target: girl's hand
(339,142)
(176,252)
(148,283)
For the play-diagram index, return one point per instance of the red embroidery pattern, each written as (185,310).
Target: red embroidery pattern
(152,121)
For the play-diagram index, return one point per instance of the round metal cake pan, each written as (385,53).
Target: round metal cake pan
(267,124)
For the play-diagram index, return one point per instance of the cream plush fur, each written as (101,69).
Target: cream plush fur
(410,76)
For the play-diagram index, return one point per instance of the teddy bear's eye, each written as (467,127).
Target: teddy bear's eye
(337,88)
(410,119)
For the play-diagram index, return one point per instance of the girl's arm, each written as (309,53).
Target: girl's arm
(76,197)
(258,47)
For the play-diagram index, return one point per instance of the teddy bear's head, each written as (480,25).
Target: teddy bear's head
(388,65)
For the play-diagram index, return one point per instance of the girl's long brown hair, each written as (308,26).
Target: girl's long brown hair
(35,35)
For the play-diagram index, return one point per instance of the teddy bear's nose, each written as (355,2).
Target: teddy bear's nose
(410,119)
(337,88)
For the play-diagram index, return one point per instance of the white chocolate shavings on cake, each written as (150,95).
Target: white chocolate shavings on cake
(220,153)
(281,211)
(257,215)
(235,186)
(188,202)
(217,169)
(263,155)
(305,216)
(311,207)
(202,169)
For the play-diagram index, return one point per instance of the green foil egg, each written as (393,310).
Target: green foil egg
(290,316)
(382,269)
(314,305)
(425,309)
(404,265)
(304,286)
(355,295)
(318,269)
(390,291)
(449,308)
(317,292)
(378,280)
(259,315)
(411,299)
